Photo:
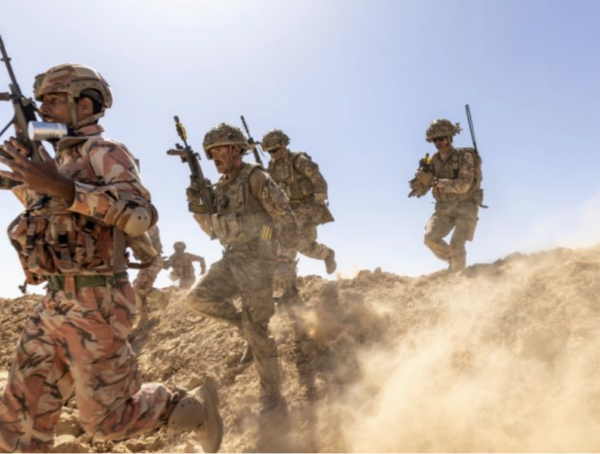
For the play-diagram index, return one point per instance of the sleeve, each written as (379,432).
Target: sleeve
(310,169)
(119,199)
(195,258)
(205,223)
(276,204)
(466,176)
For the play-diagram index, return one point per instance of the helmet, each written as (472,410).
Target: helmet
(274,139)
(179,244)
(73,79)
(441,128)
(224,134)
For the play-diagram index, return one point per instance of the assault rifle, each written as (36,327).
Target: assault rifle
(419,187)
(197,178)
(251,141)
(25,110)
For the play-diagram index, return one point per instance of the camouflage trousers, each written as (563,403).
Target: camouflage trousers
(78,347)
(308,245)
(144,282)
(458,216)
(187,282)
(243,272)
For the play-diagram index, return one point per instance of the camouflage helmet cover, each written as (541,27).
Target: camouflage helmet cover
(274,139)
(224,134)
(72,78)
(179,245)
(441,128)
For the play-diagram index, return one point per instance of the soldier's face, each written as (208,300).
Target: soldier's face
(441,143)
(224,159)
(55,108)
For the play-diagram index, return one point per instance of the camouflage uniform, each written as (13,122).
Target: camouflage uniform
(458,195)
(251,211)
(76,339)
(144,281)
(306,188)
(183,269)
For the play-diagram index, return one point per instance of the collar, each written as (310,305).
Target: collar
(225,179)
(79,136)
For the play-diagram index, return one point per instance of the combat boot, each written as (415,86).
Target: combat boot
(247,357)
(330,264)
(271,403)
(199,411)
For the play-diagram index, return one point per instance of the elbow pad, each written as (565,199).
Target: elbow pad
(129,217)
(137,222)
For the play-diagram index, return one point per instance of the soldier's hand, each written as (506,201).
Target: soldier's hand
(42,177)
(193,193)
(442,183)
(14,144)
(320,198)
(425,178)
(284,277)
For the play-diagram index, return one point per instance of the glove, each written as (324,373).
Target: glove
(421,184)
(425,178)
(192,193)
(284,277)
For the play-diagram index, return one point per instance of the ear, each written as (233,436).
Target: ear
(85,106)
(236,151)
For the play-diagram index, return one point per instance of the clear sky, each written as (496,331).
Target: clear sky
(354,83)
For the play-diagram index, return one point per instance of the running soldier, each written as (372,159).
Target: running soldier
(183,267)
(253,221)
(80,210)
(455,175)
(306,188)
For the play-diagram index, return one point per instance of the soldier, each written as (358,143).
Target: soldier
(183,268)
(303,183)
(455,175)
(144,282)
(81,208)
(253,221)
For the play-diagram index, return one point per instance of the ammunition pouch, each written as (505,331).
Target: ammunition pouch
(237,228)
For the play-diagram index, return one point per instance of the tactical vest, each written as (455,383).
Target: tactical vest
(240,217)
(295,184)
(450,169)
(51,240)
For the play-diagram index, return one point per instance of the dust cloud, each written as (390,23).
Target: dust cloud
(502,358)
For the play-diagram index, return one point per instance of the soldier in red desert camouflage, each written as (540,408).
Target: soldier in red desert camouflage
(80,210)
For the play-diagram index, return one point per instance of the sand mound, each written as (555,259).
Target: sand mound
(504,357)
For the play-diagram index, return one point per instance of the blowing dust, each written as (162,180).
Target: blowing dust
(503,358)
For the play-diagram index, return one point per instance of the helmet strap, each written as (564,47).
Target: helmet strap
(77,124)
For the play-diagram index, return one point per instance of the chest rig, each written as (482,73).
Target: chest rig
(295,184)
(240,217)
(450,169)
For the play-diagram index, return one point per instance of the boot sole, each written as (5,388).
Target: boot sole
(210,398)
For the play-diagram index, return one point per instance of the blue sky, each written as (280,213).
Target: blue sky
(354,83)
